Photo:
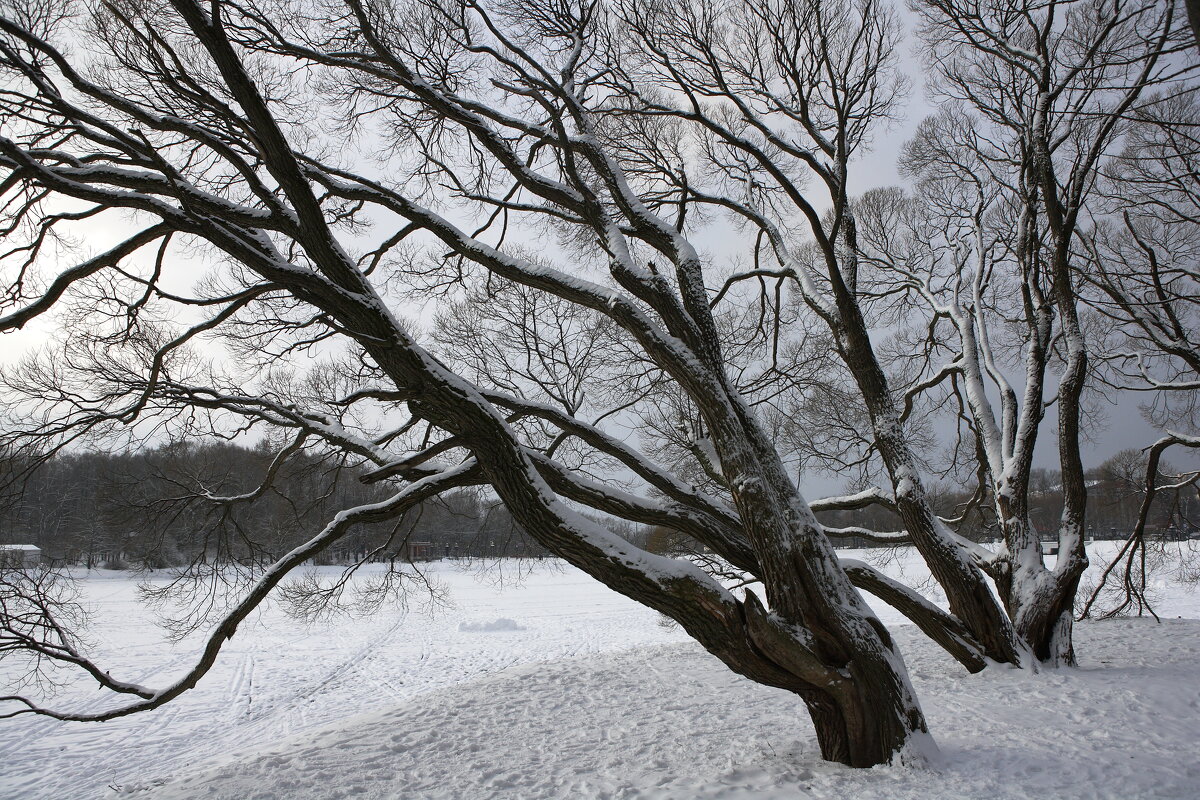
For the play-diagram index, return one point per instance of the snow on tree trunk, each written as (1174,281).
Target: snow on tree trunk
(966,587)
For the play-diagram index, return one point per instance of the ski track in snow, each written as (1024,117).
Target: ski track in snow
(458,703)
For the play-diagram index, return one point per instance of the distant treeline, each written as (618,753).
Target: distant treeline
(154,508)
(1115,491)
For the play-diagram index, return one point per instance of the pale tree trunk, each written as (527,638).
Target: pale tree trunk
(1064,109)
(971,598)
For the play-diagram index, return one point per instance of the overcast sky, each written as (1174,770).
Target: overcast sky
(1125,425)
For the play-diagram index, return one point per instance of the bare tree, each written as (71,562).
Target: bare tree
(1143,256)
(1146,477)
(548,171)
(1040,95)
(781,95)
(190,124)
(1141,270)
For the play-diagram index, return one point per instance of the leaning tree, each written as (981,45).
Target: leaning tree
(229,142)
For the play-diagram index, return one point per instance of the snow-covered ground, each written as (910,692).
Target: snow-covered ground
(555,687)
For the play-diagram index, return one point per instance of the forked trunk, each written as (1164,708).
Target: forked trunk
(1040,601)
(1046,624)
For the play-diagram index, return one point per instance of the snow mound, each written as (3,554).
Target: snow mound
(496,625)
(670,721)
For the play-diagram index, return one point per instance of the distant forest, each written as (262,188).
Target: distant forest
(155,508)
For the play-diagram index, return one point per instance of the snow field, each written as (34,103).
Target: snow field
(458,703)
(278,676)
(669,722)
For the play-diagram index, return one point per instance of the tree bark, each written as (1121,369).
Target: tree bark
(966,587)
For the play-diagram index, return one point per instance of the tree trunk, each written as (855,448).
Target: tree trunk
(864,713)
(820,641)
(966,587)
(1040,601)
(869,725)
(1045,619)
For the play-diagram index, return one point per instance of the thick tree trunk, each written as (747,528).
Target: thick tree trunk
(850,677)
(871,723)
(864,713)
(1045,621)
(820,640)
